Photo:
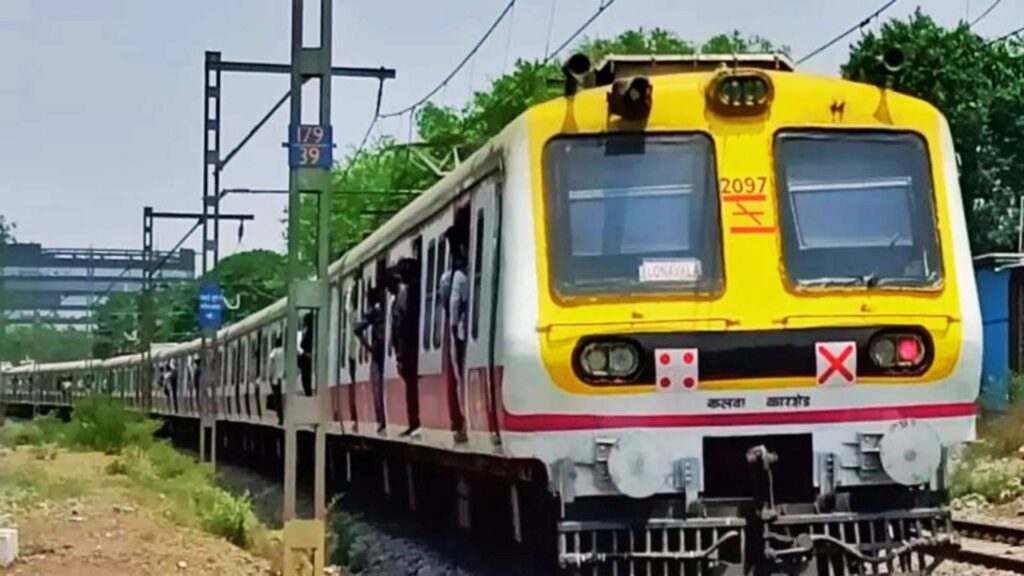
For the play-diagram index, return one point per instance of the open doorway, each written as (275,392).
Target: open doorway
(454,300)
(405,322)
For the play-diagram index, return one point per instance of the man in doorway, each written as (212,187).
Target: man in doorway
(306,344)
(373,320)
(275,402)
(457,303)
(350,347)
(404,335)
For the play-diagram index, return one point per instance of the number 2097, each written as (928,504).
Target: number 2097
(747,185)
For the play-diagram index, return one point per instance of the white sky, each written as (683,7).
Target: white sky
(101,101)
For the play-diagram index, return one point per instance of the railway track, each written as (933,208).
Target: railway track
(990,545)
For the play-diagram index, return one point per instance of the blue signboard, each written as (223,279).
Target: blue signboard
(211,300)
(310,146)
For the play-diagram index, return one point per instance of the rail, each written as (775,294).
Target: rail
(990,545)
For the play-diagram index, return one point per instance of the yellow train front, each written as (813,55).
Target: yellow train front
(741,327)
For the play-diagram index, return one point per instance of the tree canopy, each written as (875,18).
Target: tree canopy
(7,229)
(43,343)
(978,84)
(251,280)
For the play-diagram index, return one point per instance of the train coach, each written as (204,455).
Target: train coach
(719,316)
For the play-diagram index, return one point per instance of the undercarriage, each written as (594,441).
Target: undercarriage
(762,519)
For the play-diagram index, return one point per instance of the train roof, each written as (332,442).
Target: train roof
(622,65)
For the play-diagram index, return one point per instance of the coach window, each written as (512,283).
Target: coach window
(633,213)
(428,295)
(856,210)
(478,264)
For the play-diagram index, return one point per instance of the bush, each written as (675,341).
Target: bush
(168,463)
(228,516)
(101,423)
(346,542)
(191,496)
(15,434)
(998,481)
(185,488)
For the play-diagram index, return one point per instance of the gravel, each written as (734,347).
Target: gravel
(380,543)
(948,568)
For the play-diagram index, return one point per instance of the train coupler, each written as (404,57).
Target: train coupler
(906,542)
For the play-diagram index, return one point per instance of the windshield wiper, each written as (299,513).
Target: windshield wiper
(834,281)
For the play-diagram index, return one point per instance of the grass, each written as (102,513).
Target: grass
(189,494)
(990,471)
(185,490)
(32,483)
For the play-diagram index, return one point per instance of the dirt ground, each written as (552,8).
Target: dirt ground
(75,518)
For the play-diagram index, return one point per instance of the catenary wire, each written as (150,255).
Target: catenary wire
(847,32)
(462,63)
(984,14)
(604,5)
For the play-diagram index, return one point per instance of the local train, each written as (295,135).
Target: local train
(720,312)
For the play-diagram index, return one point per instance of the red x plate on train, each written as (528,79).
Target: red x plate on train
(836,363)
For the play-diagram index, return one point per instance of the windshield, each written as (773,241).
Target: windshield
(633,213)
(856,210)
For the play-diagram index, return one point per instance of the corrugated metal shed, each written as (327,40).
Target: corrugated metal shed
(998,276)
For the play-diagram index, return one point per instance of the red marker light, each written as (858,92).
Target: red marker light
(909,349)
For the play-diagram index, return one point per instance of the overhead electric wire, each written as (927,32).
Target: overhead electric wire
(551,22)
(1008,35)
(604,5)
(459,67)
(508,41)
(266,118)
(985,13)
(159,265)
(366,135)
(184,238)
(847,32)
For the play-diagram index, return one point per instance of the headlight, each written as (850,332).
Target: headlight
(595,360)
(622,359)
(740,92)
(616,360)
(883,353)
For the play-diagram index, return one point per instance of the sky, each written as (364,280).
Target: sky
(101,107)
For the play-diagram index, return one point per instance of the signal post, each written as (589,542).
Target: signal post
(310,159)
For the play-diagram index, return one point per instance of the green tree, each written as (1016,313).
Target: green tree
(364,185)
(6,237)
(979,86)
(7,229)
(44,343)
(116,323)
(253,280)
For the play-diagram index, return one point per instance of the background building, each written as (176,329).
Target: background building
(60,286)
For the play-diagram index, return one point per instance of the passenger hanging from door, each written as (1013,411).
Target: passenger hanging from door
(404,287)
(373,320)
(172,380)
(306,344)
(274,402)
(453,295)
(457,304)
(350,347)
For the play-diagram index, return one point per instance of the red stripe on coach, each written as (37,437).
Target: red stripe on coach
(551,422)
